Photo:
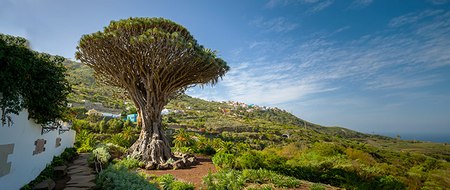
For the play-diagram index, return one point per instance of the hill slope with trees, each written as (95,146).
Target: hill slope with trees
(240,136)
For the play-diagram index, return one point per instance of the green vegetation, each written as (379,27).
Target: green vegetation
(67,156)
(31,80)
(235,180)
(241,137)
(168,182)
(118,177)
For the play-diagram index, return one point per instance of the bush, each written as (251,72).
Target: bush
(269,177)
(115,125)
(120,140)
(168,182)
(130,163)
(100,158)
(117,177)
(250,160)
(233,179)
(224,179)
(85,141)
(316,186)
(115,150)
(224,160)
(69,154)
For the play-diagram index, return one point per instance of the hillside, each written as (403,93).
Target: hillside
(238,119)
(251,136)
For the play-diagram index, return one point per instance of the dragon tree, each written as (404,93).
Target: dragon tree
(153,60)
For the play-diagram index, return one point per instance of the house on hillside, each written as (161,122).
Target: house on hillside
(94,112)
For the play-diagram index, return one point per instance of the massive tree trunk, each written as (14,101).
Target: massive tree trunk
(152,145)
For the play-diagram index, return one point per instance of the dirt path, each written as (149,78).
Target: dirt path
(193,175)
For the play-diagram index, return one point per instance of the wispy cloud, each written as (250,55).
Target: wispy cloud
(269,84)
(313,6)
(279,24)
(277,72)
(359,4)
(412,18)
(319,6)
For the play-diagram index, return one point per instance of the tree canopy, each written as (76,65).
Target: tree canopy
(31,80)
(154,49)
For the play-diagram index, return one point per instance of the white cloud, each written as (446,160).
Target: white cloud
(319,6)
(314,6)
(268,84)
(279,24)
(412,17)
(278,72)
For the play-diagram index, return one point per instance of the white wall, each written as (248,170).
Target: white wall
(24,165)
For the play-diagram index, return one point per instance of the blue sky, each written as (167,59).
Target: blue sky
(379,66)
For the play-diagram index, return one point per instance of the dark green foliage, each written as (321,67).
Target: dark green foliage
(118,177)
(31,80)
(115,125)
(250,160)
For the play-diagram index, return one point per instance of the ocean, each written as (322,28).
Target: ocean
(439,138)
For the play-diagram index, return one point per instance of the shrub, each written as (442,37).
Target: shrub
(233,179)
(100,158)
(117,177)
(130,163)
(224,160)
(168,182)
(183,139)
(115,150)
(69,154)
(114,125)
(85,141)
(120,140)
(269,177)
(316,186)
(179,185)
(250,160)
(224,179)
(362,156)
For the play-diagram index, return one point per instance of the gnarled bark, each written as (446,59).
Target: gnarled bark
(152,145)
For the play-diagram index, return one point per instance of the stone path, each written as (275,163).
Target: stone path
(81,175)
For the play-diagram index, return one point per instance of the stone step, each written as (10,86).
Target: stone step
(81,179)
(79,169)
